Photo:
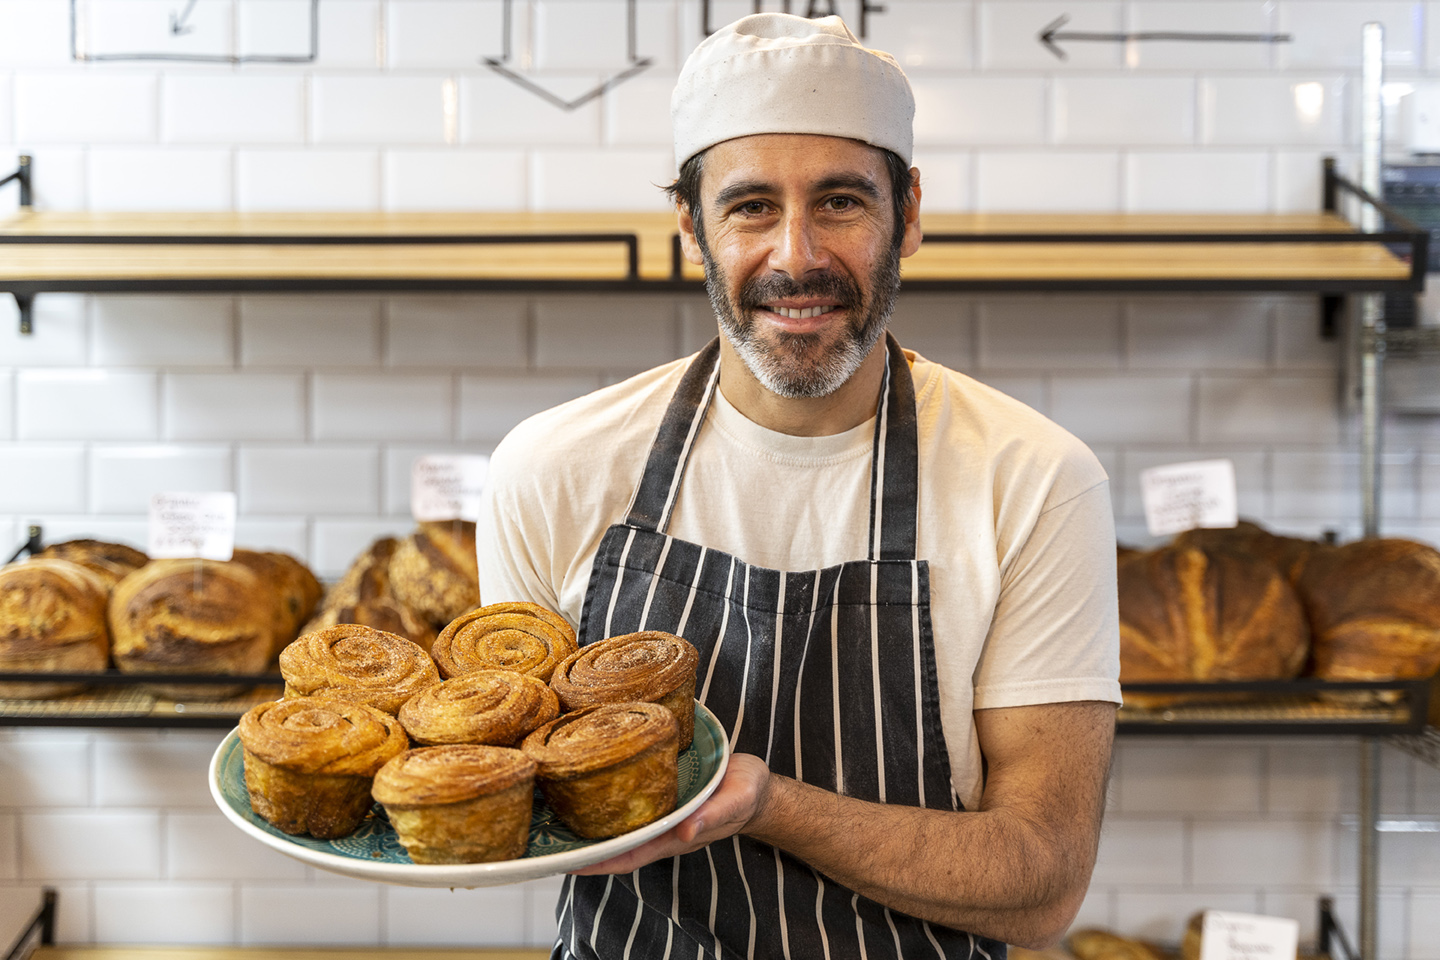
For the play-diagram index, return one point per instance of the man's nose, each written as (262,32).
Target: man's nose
(799,248)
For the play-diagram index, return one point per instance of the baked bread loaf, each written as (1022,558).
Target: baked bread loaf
(293,588)
(434,571)
(1193,614)
(192,616)
(358,664)
(52,619)
(461,803)
(1103,945)
(363,596)
(112,562)
(510,636)
(1286,554)
(650,666)
(309,763)
(497,707)
(609,769)
(1374,608)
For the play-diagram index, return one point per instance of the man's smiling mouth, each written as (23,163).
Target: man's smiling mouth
(802,313)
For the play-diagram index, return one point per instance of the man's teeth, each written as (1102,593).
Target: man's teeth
(801,314)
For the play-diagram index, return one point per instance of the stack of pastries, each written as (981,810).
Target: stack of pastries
(478,736)
(82,605)
(1245,604)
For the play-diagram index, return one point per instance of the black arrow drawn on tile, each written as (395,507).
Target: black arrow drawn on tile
(1051,33)
(637,64)
(178,26)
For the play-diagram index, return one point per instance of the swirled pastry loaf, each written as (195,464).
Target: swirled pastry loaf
(1374,606)
(363,596)
(496,707)
(434,571)
(192,616)
(510,636)
(608,769)
(293,588)
(1192,614)
(359,664)
(309,763)
(52,619)
(111,561)
(460,803)
(652,666)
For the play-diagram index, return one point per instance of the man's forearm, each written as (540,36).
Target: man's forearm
(993,872)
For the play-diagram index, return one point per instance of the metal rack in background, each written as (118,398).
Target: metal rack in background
(1300,707)
(40,931)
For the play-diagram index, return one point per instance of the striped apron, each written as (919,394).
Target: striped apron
(828,675)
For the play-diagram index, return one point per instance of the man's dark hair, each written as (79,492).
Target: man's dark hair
(685,191)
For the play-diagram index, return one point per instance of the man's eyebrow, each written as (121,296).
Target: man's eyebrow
(853,182)
(742,189)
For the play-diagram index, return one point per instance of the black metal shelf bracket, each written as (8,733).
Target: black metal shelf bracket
(34,543)
(40,932)
(23,177)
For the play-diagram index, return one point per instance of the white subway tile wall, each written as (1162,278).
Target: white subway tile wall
(312,408)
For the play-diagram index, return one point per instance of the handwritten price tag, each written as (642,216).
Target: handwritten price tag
(447,487)
(186,525)
(1244,936)
(1183,496)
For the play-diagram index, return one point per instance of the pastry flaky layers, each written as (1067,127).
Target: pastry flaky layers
(497,707)
(52,618)
(359,664)
(650,666)
(510,636)
(459,803)
(608,769)
(309,762)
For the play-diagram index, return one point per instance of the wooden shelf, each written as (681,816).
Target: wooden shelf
(442,251)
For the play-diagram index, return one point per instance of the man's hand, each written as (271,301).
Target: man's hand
(1015,870)
(728,811)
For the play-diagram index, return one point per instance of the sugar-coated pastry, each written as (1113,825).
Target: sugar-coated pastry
(52,619)
(434,571)
(357,663)
(459,803)
(192,616)
(652,666)
(510,636)
(609,769)
(309,762)
(496,707)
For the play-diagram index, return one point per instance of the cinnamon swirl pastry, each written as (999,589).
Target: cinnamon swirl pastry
(508,636)
(358,664)
(496,707)
(434,571)
(651,666)
(309,763)
(608,769)
(460,803)
(192,616)
(52,619)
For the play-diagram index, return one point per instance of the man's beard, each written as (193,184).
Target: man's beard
(801,364)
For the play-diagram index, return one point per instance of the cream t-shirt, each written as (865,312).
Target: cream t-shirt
(1014,520)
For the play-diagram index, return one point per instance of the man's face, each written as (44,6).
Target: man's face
(801,254)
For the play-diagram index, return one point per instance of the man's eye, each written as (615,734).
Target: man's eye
(840,203)
(753,208)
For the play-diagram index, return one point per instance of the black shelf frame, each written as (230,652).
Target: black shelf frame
(1413,696)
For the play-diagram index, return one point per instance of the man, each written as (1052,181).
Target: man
(900,582)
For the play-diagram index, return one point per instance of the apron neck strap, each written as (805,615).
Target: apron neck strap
(894,471)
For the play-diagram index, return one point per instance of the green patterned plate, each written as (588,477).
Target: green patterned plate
(374,853)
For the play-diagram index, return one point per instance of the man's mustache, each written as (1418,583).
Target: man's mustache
(759,291)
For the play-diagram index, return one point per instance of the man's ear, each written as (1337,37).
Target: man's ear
(911,241)
(689,246)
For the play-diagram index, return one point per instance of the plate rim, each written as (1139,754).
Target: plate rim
(469,874)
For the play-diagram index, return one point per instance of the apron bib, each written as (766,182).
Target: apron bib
(828,675)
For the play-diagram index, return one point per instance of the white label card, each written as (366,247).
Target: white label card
(444,487)
(188,525)
(1244,936)
(1183,496)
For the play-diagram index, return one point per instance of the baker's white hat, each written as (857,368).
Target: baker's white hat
(778,73)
